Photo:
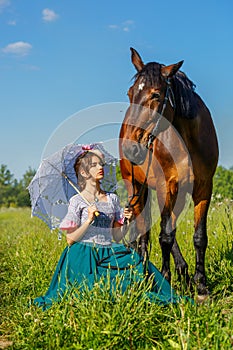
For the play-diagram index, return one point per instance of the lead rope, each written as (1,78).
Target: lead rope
(169,95)
(138,195)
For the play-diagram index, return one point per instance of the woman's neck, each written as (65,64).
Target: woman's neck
(92,187)
(93,192)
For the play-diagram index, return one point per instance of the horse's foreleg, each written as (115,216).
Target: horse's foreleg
(139,238)
(166,240)
(167,199)
(142,211)
(200,243)
(169,245)
(180,263)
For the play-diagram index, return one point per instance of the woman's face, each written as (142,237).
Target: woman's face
(96,168)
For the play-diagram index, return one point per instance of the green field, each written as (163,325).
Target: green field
(29,253)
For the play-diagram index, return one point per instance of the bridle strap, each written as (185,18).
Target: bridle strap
(152,136)
(139,193)
(169,95)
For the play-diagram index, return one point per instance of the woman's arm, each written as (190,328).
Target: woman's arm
(119,230)
(75,235)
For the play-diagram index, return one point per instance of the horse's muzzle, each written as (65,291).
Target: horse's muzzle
(134,152)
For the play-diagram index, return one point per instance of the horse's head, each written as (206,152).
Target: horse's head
(152,105)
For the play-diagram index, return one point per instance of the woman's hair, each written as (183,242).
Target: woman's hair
(83,162)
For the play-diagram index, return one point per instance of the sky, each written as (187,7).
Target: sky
(60,59)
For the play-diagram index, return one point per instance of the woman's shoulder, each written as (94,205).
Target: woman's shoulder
(76,200)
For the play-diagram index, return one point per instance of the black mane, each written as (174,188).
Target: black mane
(183,88)
(185,96)
(151,72)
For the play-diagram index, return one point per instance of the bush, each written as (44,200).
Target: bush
(223,183)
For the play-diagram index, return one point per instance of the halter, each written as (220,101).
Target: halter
(169,95)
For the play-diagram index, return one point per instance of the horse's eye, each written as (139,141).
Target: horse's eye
(155,95)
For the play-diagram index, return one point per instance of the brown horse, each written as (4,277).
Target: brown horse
(168,143)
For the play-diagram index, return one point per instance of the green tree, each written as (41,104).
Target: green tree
(6,178)
(12,192)
(8,187)
(23,198)
(223,183)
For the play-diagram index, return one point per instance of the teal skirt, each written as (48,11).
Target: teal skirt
(82,265)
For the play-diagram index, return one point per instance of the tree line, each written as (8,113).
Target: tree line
(14,193)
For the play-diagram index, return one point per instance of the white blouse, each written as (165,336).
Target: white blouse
(100,231)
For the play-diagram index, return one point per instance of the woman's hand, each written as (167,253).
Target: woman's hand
(77,234)
(120,229)
(128,213)
(92,210)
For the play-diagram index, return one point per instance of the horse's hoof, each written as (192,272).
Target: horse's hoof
(201,299)
(201,287)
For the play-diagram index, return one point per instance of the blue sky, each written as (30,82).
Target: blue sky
(60,57)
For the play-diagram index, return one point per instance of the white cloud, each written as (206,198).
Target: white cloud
(113,26)
(129,22)
(49,15)
(19,48)
(125,26)
(4,4)
(11,23)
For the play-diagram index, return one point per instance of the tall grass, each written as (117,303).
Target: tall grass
(93,319)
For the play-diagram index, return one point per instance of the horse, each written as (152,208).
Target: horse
(168,143)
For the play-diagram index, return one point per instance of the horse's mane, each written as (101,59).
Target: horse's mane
(151,73)
(185,96)
(183,88)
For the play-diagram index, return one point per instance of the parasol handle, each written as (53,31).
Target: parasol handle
(77,190)
(73,185)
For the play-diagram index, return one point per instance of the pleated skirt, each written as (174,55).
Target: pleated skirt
(82,265)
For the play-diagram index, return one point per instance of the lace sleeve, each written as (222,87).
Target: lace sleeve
(73,217)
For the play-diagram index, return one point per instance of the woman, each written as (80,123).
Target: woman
(93,234)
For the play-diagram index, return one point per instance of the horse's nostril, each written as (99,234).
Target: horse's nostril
(135,150)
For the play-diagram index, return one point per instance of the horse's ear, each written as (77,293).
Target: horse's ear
(169,71)
(136,60)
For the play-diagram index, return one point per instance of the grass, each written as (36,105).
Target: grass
(91,320)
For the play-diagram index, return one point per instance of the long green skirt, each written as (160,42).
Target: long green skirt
(85,264)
